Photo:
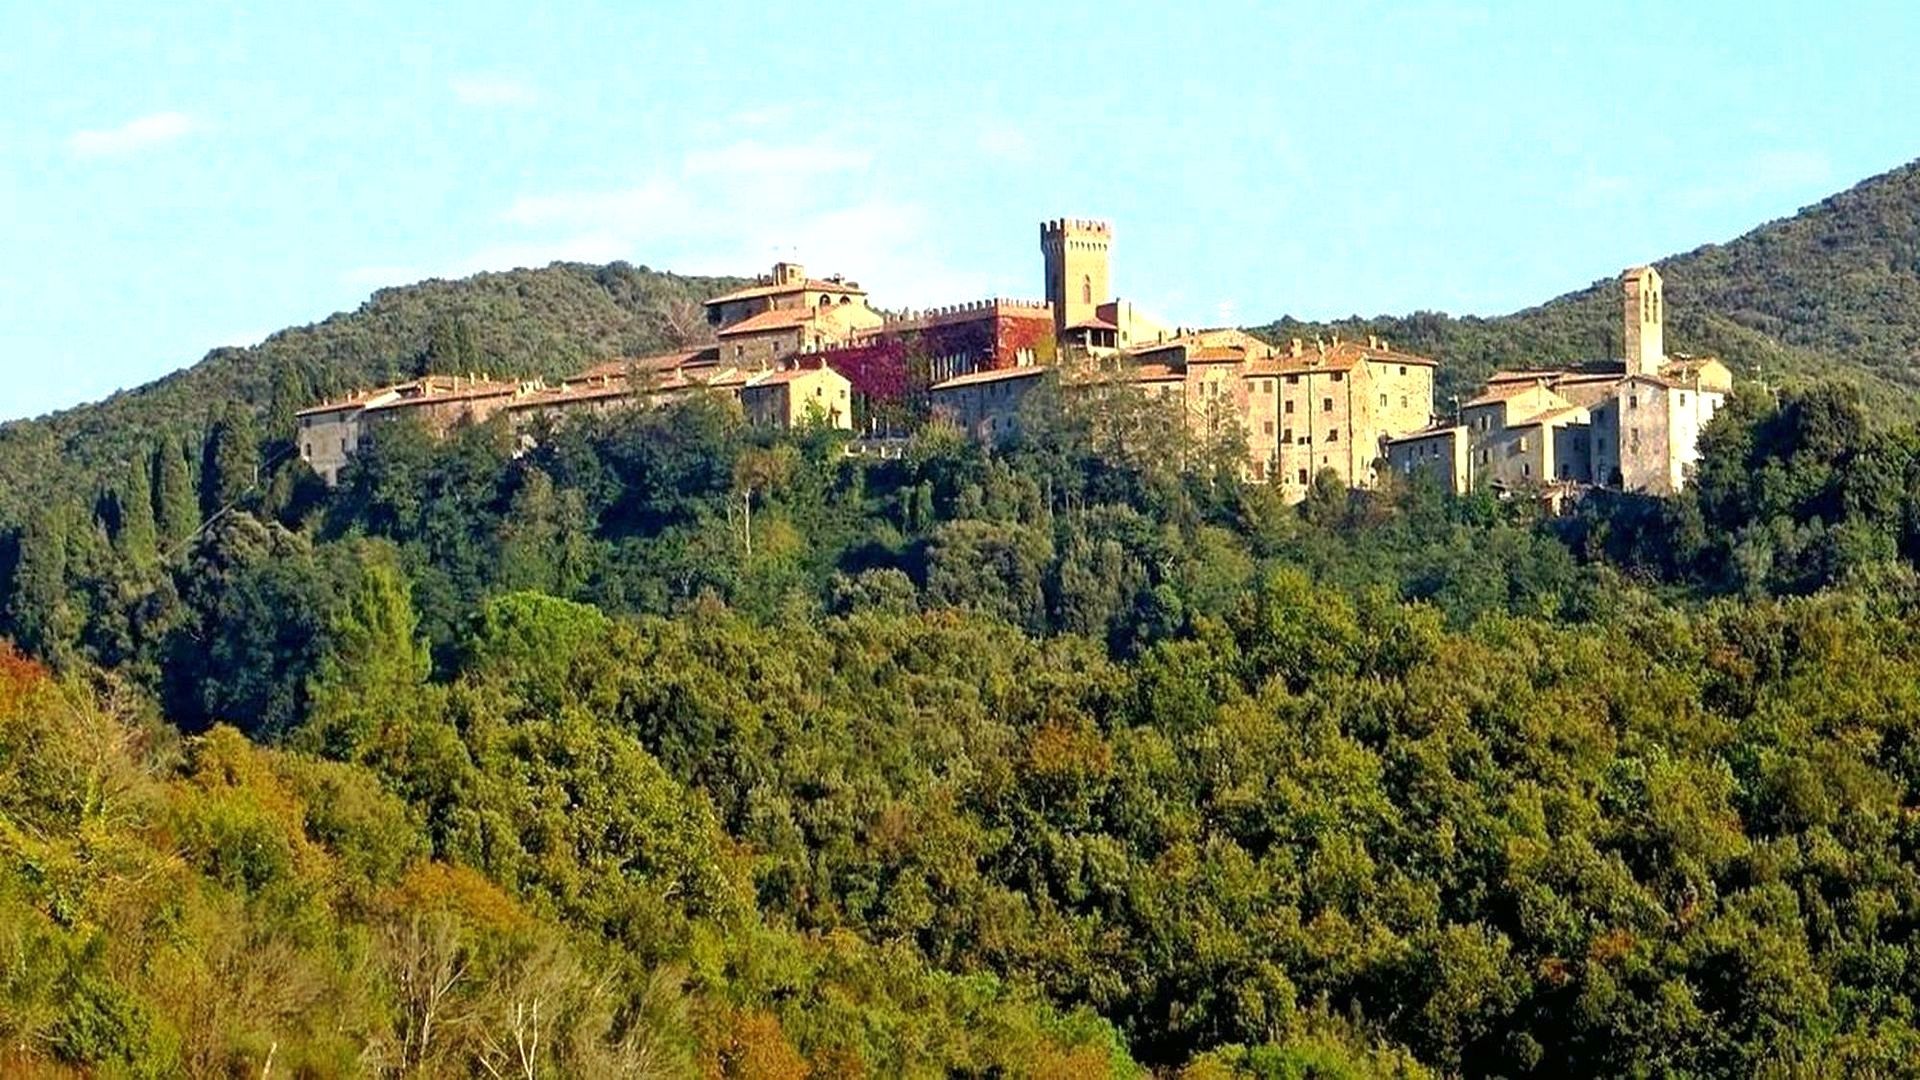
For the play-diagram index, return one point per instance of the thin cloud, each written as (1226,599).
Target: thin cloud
(751,158)
(735,207)
(491,90)
(138,134)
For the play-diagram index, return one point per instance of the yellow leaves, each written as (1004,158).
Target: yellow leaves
(460,891)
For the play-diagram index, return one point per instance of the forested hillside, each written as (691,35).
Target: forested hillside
(547,322)
(674,747)
(1833,291)
(669,746)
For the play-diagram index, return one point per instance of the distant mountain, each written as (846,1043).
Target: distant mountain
(1833,291)
(524,322)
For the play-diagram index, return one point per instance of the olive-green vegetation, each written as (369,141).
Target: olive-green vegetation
(1833,291)
(671,747)
(548,322)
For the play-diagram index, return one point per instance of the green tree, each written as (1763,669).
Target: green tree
(232,460)
(176,509)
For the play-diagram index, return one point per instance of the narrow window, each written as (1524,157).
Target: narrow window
(1287,408)
(1303,476)
(1333,434)
(1383,401)
(1326,404)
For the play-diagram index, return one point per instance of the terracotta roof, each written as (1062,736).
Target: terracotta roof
(1526,375)
(1506,392)
(1540,418)
(1093,324)
(441,392)
(355,400)
(1214,354)
(659,362)
(1155,372)
(1455,430)
(996,375)
(781,319)
(779,378)
(809,285)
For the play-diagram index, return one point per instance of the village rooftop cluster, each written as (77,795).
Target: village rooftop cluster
(793,349)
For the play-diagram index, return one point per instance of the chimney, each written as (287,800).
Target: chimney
(1295,349)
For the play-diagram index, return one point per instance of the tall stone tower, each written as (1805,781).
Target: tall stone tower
(1076,254)
(1644,309)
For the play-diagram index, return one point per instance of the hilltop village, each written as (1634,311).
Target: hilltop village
(793,350)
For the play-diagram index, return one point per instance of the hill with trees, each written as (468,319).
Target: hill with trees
(547,322)
(1076,758)
(671,746)
(1832,292)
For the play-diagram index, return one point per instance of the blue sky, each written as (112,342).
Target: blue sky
(175,177)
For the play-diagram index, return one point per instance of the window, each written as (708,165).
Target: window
(343,446)
(1383,401)
(1267,428)
(1286,436)
(1337,376)
(1303,476)
(1633,401)
(1635,435)
(1333,434)
(1326,404)
(1403,369)
(1086,290)
(1403,401)
(1526,468)
(306,452)
(1683,400)
(1293,380)
(1521,448)
(1287,408)
(1266,385)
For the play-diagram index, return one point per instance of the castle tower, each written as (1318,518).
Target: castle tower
(1076,257)
(1644,310)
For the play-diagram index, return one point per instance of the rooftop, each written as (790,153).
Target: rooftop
(780,319)
(752,292)
(998,375)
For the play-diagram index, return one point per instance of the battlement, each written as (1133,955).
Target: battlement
(1060,228)
(911,319)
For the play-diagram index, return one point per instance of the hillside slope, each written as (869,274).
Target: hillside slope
(531,322)
(1833,291)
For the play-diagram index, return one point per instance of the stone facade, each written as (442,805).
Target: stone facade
(986,404)
(795,396)
(1633,423)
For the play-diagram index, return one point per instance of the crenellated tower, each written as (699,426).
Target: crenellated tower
(1644,312)
(1076,254)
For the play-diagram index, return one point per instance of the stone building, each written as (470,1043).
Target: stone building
(986,404)
(788,288)
(789,398)
(1632,423)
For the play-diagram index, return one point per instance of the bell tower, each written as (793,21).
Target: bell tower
(1076,257)
(1644,311)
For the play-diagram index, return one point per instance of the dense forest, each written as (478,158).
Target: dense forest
(676,747)
(673,747)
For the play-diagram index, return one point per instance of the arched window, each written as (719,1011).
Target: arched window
(825,300)
(1086,289)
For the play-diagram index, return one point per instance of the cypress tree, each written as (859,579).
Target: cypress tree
(175,511)
(37,613)
(232,456)
(135,537)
